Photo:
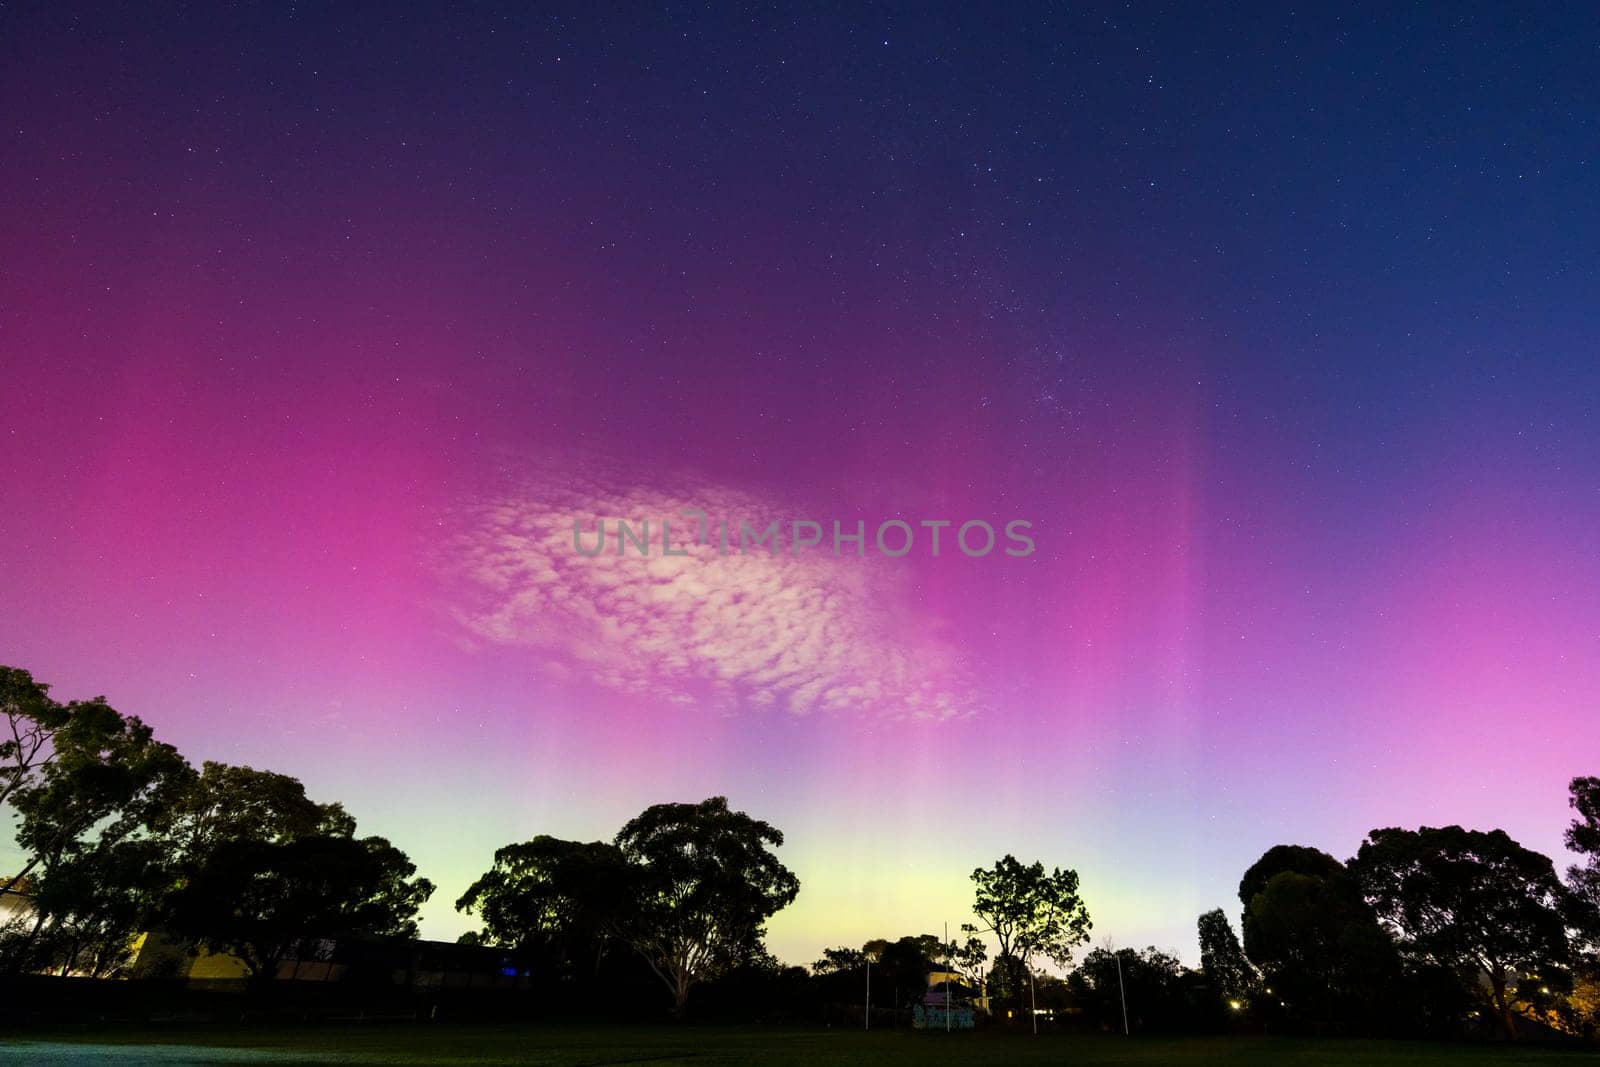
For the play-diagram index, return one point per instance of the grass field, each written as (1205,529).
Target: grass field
(571,1046)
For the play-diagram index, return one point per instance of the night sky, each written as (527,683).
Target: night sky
(318,327)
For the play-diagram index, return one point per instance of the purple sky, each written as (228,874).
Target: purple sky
(318,332)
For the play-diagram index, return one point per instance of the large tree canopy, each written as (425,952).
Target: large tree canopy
(1583,879)
(1030,912)
(257,899)
(262,867)
(1301,859)
(122,834)
(559,900)
(705,883)
(86,785)
(1470,900)
(1318,945)
(234,803)
(99,776)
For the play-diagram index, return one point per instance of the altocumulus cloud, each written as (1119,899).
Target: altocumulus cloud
(808,633)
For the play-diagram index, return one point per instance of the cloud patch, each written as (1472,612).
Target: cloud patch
(808,633)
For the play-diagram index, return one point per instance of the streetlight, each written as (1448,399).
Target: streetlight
(1033,1003)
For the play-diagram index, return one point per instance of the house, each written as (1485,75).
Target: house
(16,902)
(420,965)
(947,985)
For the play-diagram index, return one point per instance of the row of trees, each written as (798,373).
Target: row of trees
(1032,915)
(1418,930)
(687,887)
(121,836)
(1419,933)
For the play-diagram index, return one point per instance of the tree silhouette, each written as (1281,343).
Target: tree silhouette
(1583,880)
(1473,901)
(705,882)
(257,900)
(1030,913)
(1316,941)
(261,867)
(558,900)
(77,771)
(1301,859)
(1149,982)
(1222,960)
(86,790)
(31,720)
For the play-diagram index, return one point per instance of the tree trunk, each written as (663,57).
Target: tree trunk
(680,995)
(1497,979)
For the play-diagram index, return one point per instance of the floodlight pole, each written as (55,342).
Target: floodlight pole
(1123,993)
(1033,1003)
(868,1025)
(947,976)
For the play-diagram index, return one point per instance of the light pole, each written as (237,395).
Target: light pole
(1033,1003)
(868,1025)
(1123,993)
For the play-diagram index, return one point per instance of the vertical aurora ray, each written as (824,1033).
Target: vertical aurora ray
(305,347)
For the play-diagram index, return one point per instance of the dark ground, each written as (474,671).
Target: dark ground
(591,1046)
